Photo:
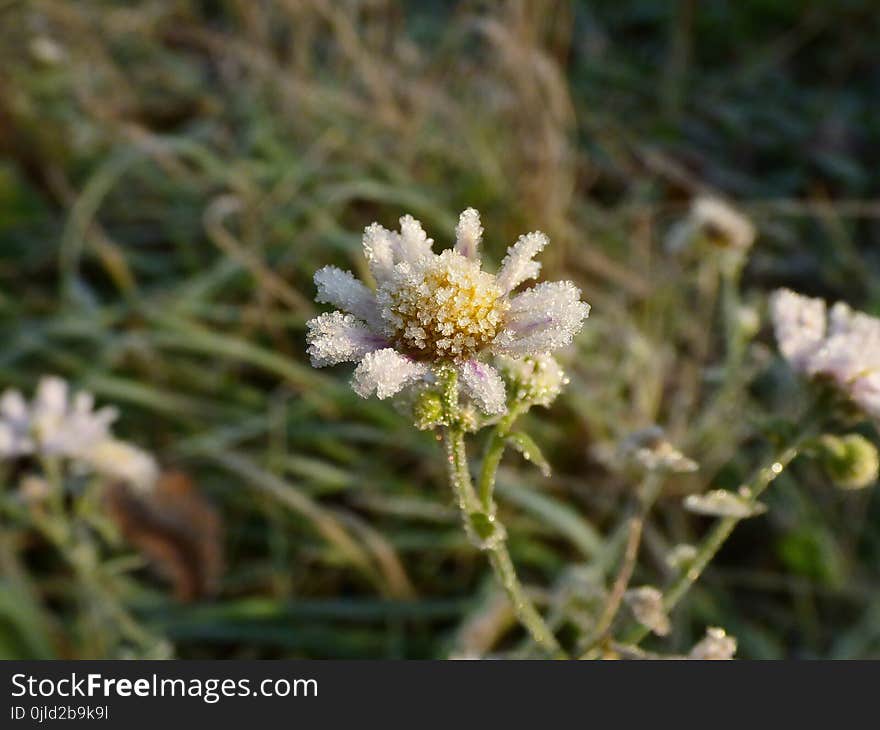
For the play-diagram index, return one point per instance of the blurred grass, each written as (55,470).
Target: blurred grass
(173,172)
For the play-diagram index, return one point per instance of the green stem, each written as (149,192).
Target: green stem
(494,451)
(710,546)
(478,515)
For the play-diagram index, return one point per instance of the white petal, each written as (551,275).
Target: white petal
(379,244)
(542,319)
(866,394)
(385,372)
(799,324)
(13,406)
(468,233)
(335,337)
(342,290)
(484,386)
(51,395)
(413,243)
(518,265)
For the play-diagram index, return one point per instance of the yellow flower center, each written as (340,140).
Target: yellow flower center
(444,309)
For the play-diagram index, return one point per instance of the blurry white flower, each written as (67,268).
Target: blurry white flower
(537,379)
(34,489)
(648,449)
(122,460)
(713,221)
(440,310)
(46,50)
(58,424)
(715,645)
(723,503)
(65,426)
(844,347)
(646,603)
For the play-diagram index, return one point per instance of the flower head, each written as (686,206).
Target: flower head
(843,346)
(434,310)
(61,424)
(713,221)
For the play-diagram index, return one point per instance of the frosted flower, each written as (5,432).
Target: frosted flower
(59,424)
(62,425)
(716,645)
(647,449)
(537,379)
(646,603)
(715,222)
(431,310)
(843,347)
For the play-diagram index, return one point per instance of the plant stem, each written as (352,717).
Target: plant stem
(494,451)
(710,546)
(473,507)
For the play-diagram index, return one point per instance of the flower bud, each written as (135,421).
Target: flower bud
(428,410)
(851,461)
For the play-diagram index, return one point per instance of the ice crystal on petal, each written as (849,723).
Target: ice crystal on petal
(379,251)
(385,372)
(335,337)
(646,603)
(483,384)
(413,243)
(468,233)
(342,290)
(519,264)
(541,319)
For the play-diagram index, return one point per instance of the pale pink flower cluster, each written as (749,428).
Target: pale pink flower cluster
(431,310)
(841,345)
(58,424)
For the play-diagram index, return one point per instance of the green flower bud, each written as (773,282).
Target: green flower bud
(428,410)
(850,461)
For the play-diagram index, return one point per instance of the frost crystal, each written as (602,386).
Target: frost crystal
(843,347)
(431,311)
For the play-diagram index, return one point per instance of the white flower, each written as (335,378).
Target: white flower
(60,425)
(431,310)
(715,222)
(844,347)
(67,426)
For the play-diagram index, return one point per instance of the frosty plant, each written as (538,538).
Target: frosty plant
(431,331)
(59,451)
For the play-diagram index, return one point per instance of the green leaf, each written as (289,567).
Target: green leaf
(526,445)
